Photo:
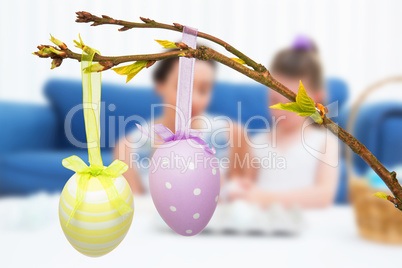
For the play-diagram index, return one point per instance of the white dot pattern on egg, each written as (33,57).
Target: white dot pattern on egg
(188,185)
(96,227)
(197,191)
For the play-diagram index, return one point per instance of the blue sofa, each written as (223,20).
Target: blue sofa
(33,140)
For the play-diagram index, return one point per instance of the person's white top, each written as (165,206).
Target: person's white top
(296,166)
(215,131)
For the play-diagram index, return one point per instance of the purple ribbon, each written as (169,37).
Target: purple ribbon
(167,135)
(185,84)
(184,100)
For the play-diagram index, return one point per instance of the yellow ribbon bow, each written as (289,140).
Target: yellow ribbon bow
(91,86)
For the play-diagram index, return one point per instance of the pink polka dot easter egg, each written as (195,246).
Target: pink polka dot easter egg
(184,181)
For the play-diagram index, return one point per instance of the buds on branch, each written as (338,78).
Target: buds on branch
(46,51)
(83,16)
(146,20)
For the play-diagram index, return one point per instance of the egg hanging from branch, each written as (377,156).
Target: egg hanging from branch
(96,227)
(184,181)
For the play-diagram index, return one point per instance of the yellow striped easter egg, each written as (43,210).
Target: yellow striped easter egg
(96,227)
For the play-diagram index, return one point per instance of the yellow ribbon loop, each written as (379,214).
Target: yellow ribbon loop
(91,87)
(104,175)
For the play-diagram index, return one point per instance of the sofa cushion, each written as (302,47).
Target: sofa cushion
(378,127)
(337,91)
(26,127)
(31,171)
(243,103)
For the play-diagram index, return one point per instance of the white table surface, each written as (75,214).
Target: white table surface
(30,236)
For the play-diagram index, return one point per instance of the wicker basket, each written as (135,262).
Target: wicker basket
(377,219)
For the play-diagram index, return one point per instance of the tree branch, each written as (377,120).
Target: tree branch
(116,60)
(83,16)
(257,72)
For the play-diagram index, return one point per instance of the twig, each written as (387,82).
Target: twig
(258,73)
(83,16)
(357,147)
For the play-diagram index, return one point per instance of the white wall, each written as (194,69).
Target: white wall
(360,41)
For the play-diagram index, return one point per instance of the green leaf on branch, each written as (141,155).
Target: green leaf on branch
(381,195)
(48,51)
(55,51)
(166,44)
(96,67)
(291,107)
(79,44)
(43,52)
(304,101)
(238,60)
(131,70)
(57,42)
(304,105)
(317,117)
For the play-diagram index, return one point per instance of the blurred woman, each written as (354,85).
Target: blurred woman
(297,160)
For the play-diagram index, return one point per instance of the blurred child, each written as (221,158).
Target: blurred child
(302,157)
(136,146)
